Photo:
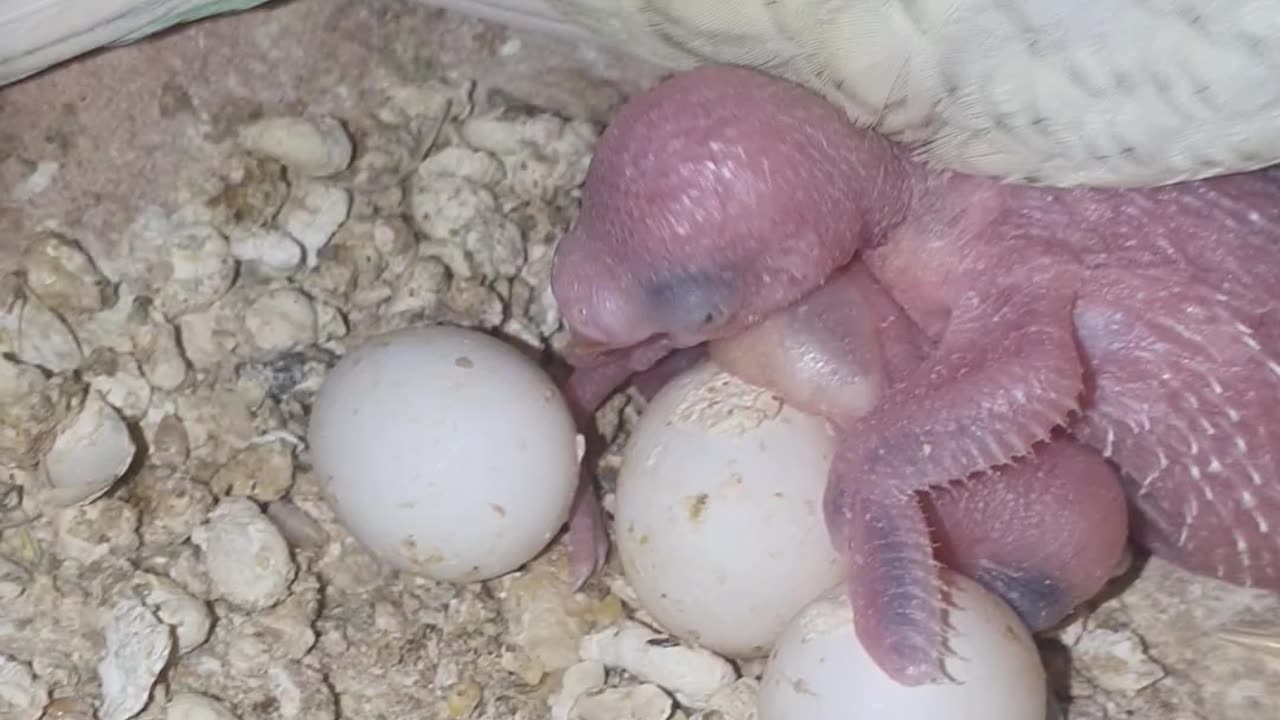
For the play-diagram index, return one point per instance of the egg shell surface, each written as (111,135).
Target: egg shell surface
(819,671)
(718,513)
(447,452)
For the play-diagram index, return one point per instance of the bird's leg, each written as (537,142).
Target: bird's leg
(913,416)
(1004,375)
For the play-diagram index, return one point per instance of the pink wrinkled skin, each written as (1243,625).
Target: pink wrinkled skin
(836,351)
(1145,324)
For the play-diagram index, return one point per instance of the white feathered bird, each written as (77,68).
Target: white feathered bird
(1097,92)
(1056,92)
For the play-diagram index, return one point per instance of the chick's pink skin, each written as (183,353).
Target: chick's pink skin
(697,223)
(1145,322)
(1044,533)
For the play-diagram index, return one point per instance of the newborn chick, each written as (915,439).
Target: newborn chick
(1144,322)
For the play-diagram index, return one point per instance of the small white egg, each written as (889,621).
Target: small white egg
(819,670)
(718,515)
(447,452)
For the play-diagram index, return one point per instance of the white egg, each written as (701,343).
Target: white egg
(819,671)
(447,452)
(718,517)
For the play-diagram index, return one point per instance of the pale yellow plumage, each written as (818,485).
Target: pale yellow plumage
(1100,92)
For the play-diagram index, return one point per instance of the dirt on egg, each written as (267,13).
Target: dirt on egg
(166,550)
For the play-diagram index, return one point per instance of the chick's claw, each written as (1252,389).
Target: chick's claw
(588,536)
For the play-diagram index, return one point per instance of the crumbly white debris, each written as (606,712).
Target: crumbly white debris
(88,455)
(119,379)
(633,702)
(138,646)
(726,405)
(577,680)
(44,339)
(269,250)
(735,701)
(22,694)
(245,554)
(62,274)
(190,617)
(182,266)
(195,706)
(227,586)
(155,346)
(89,533)
(263,471)
(313,214)
(310,146)
(282,320)
(693,674)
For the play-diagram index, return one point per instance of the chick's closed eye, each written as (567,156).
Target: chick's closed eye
(690,306)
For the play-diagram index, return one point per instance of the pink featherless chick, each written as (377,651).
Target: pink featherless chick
(1144,323)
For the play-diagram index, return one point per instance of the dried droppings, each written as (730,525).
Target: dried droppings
(246,557)
(262,471)
(545,155)
(577,680)
(287,374)
(456,214)
(478,167)
(268,250)
(282,320)
(633,702)
(190,617)
(301,692)
(194,706)
(313,213)
(218,423)
(22,694)
(547,620)
(45,339)
(420,288)
(156,347)
(119,379)
(62,275)
(281,633)
(692,674)
(736,701)
(138,648)
(309,146)
(31,409)
(1118,661)
(182,267)
(171,504)
(300,529)
(249,195)
(168,442)
(89,454)
(89,533)
(461,699)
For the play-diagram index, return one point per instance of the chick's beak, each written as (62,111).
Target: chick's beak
(582,348)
